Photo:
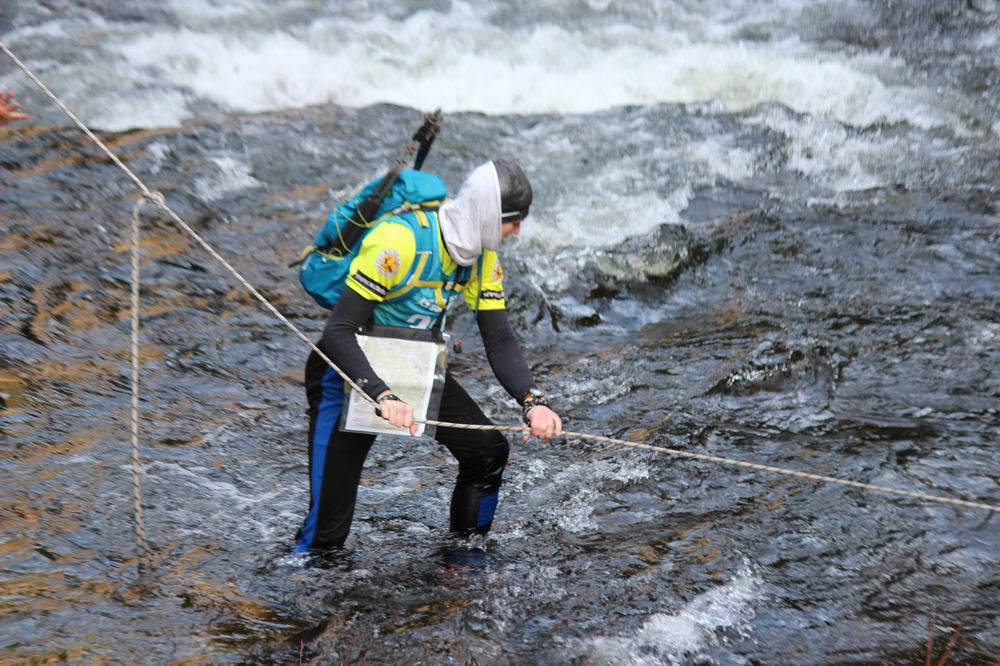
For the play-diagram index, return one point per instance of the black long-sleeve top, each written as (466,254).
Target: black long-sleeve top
(353,311)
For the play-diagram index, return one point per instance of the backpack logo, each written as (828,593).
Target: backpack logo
(497,273)
(388,263)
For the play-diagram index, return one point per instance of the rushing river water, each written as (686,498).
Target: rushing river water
(763,230)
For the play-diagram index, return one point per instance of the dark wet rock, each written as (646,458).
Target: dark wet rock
(657,257)
(641,267)
(773,365)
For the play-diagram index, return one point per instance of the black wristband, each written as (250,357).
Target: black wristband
(527,407)
(387,396)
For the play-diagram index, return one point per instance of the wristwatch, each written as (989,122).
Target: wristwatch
(532,398)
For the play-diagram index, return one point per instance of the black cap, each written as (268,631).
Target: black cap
(515,191)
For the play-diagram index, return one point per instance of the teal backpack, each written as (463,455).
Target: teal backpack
(323,269)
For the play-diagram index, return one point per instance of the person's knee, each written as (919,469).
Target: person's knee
(493,462)
(483,459)
(498,451)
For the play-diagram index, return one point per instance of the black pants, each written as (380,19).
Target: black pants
(336,459)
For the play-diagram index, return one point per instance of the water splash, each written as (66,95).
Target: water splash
(675,637)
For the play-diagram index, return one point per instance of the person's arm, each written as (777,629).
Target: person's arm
(8,108)
(340,343)
(484,295)
(507,361)
(504,353)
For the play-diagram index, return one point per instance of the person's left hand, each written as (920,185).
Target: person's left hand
(544,423)
(8,107)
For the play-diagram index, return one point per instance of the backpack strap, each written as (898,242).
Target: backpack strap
(419,223)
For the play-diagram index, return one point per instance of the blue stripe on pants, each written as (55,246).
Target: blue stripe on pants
(330,405)
(487,507)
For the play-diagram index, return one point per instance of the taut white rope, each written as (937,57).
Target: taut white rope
(140,527)
(158,199)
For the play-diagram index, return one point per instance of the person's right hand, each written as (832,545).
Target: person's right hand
(396,412)
(544,423)
(8,107)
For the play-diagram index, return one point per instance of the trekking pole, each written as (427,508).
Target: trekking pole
(367,209)
(420,144)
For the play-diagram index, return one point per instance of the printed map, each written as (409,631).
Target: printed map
(407,366)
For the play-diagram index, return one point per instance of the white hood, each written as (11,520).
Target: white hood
(471,221)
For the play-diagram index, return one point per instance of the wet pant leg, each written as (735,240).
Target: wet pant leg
(335,461)
(482,456)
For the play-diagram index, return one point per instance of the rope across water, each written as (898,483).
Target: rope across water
(140,527)
(160,202)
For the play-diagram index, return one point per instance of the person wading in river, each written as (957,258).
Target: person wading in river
(490,207)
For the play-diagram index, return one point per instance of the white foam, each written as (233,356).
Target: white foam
(215,501)
(844,88)
(691,629)
(524,474)
(580,216)
(251,56)
(719,158)
(987,40)
(198,477)
(248,71)
(232,175)
(574,511)
(834,157)
(138,108)
(474,65)
(158,150)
